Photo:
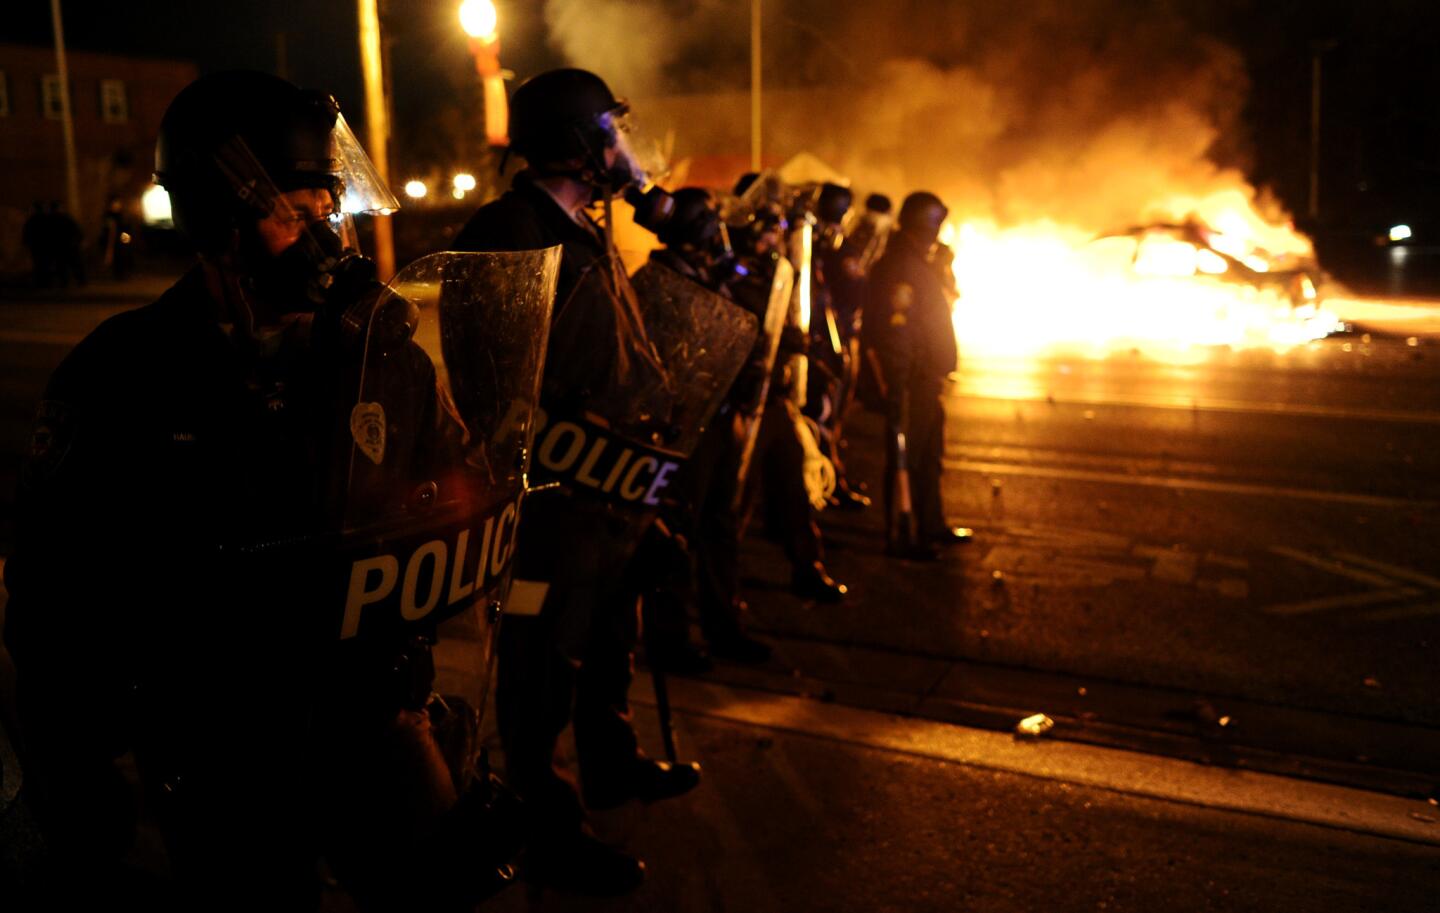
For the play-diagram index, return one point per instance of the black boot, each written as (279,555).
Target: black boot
(647,780)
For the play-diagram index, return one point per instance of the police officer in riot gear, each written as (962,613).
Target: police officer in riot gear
(180,450)
(776,468)
(832,353)
(565,649)
(697,245)
(907,326)
(697,241)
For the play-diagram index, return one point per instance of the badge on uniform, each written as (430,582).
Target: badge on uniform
(367,427)
(50,438)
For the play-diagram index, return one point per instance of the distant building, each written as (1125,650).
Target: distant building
(116,103)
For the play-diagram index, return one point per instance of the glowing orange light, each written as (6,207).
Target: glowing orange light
(1045,287)
(479,19)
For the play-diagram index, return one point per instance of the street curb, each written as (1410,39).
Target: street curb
(1115,770)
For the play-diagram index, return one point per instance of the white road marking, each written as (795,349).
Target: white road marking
(1333,566)
(1170,565)
(1172,482)
(1234,564)
(1391,570)
(1343,601)
(1388,580)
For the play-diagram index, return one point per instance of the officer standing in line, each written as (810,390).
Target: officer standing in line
(697,246)
(191,457)
(776,473)
(832,359)
(908,327)
(566,647)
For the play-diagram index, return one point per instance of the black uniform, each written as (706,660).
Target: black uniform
(574,658)
(907,324)
(141,618)
(711,520)
(777,463)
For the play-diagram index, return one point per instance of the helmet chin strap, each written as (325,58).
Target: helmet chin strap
(222,279)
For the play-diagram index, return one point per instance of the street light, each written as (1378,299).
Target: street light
(481,22)
(155,205)
(416,190)
(464,181)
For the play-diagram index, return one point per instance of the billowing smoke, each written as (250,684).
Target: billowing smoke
(643,47)
(1095,113)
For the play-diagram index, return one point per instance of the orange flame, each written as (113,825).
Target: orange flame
(1218,275)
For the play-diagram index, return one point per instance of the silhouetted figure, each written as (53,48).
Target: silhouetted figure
(68,246)
(38,237)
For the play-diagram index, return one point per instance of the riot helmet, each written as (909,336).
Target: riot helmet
(230,143)
(832,203)
(921,217)
(695,222)
(697,233)
(264,177)
(565,121)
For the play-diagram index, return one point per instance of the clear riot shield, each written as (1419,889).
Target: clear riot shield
(801,253)
(762,361)
(627,446)
(439,440)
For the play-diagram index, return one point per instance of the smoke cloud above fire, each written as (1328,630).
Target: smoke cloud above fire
(1092,113)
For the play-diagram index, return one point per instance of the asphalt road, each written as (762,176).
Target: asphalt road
(1254,525)
(1255,528)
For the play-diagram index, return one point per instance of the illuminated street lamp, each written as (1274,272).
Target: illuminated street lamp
(155,206)
(481,22)
(464,182)
(416,190)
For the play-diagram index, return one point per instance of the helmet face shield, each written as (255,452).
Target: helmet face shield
(361,189)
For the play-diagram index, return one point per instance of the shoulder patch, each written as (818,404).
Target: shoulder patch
(50,438)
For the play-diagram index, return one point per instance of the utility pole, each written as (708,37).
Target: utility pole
(754,85)
(67,121)
(1317,50)
(377,126)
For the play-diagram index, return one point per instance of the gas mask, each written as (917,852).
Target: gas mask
(653,207)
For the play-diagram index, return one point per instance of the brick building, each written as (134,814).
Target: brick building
(116,103)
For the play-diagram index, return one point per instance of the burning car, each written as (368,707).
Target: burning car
(1193,249)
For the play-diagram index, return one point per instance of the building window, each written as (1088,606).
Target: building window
(50,97)
(114,107)
(4,95)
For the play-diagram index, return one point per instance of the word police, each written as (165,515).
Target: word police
(586,457)
(444,572)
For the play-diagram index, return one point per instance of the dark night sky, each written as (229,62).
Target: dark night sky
(1382,80)
(320,38)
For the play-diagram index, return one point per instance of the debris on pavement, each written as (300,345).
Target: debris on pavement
(1034,726)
